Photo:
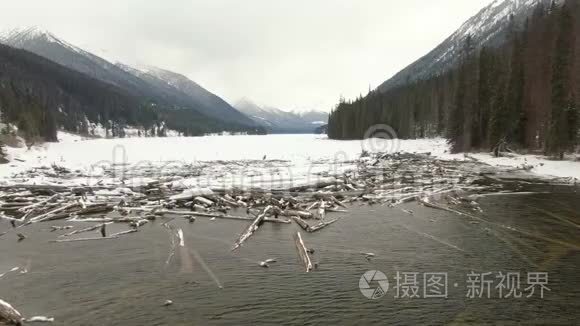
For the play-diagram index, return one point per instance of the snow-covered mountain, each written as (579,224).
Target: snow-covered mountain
(47,45)
(486,28)
(278,121)
(207,102)
(156,85)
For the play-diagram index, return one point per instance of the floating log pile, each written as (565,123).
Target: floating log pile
(136,197)
(143,195)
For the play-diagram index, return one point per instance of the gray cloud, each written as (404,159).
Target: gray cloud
(300,54)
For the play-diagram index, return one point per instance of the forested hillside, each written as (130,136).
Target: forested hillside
(524,92)
(488,26)
(40,97)
(151,85)
(202,100)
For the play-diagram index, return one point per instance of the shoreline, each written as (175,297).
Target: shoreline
(63,152)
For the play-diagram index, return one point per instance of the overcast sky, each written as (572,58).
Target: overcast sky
(293,54)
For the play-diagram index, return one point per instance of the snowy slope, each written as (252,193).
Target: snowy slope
(51,47)
(485,28)
(208,103)
(278,121)
(20,37)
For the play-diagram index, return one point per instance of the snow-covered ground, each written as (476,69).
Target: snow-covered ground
(539,164)
(299,155)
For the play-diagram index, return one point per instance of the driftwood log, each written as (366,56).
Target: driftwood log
(9,315)
(303,252)
(311,229)
(111,237)
(252,228)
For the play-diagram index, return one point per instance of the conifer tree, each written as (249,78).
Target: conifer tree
(457,119)
(563,109)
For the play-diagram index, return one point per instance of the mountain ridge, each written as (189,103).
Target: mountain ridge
(485,28)
(147,86)
(209,103)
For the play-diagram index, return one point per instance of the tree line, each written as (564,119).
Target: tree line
(522,93)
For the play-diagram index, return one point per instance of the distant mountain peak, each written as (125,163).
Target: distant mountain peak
(488,17)
(280,121)
(19,37)
(206,102)
(24,32)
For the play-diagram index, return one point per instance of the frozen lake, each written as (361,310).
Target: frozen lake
(269,158)
(215,161)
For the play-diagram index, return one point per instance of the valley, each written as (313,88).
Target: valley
(212,164)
